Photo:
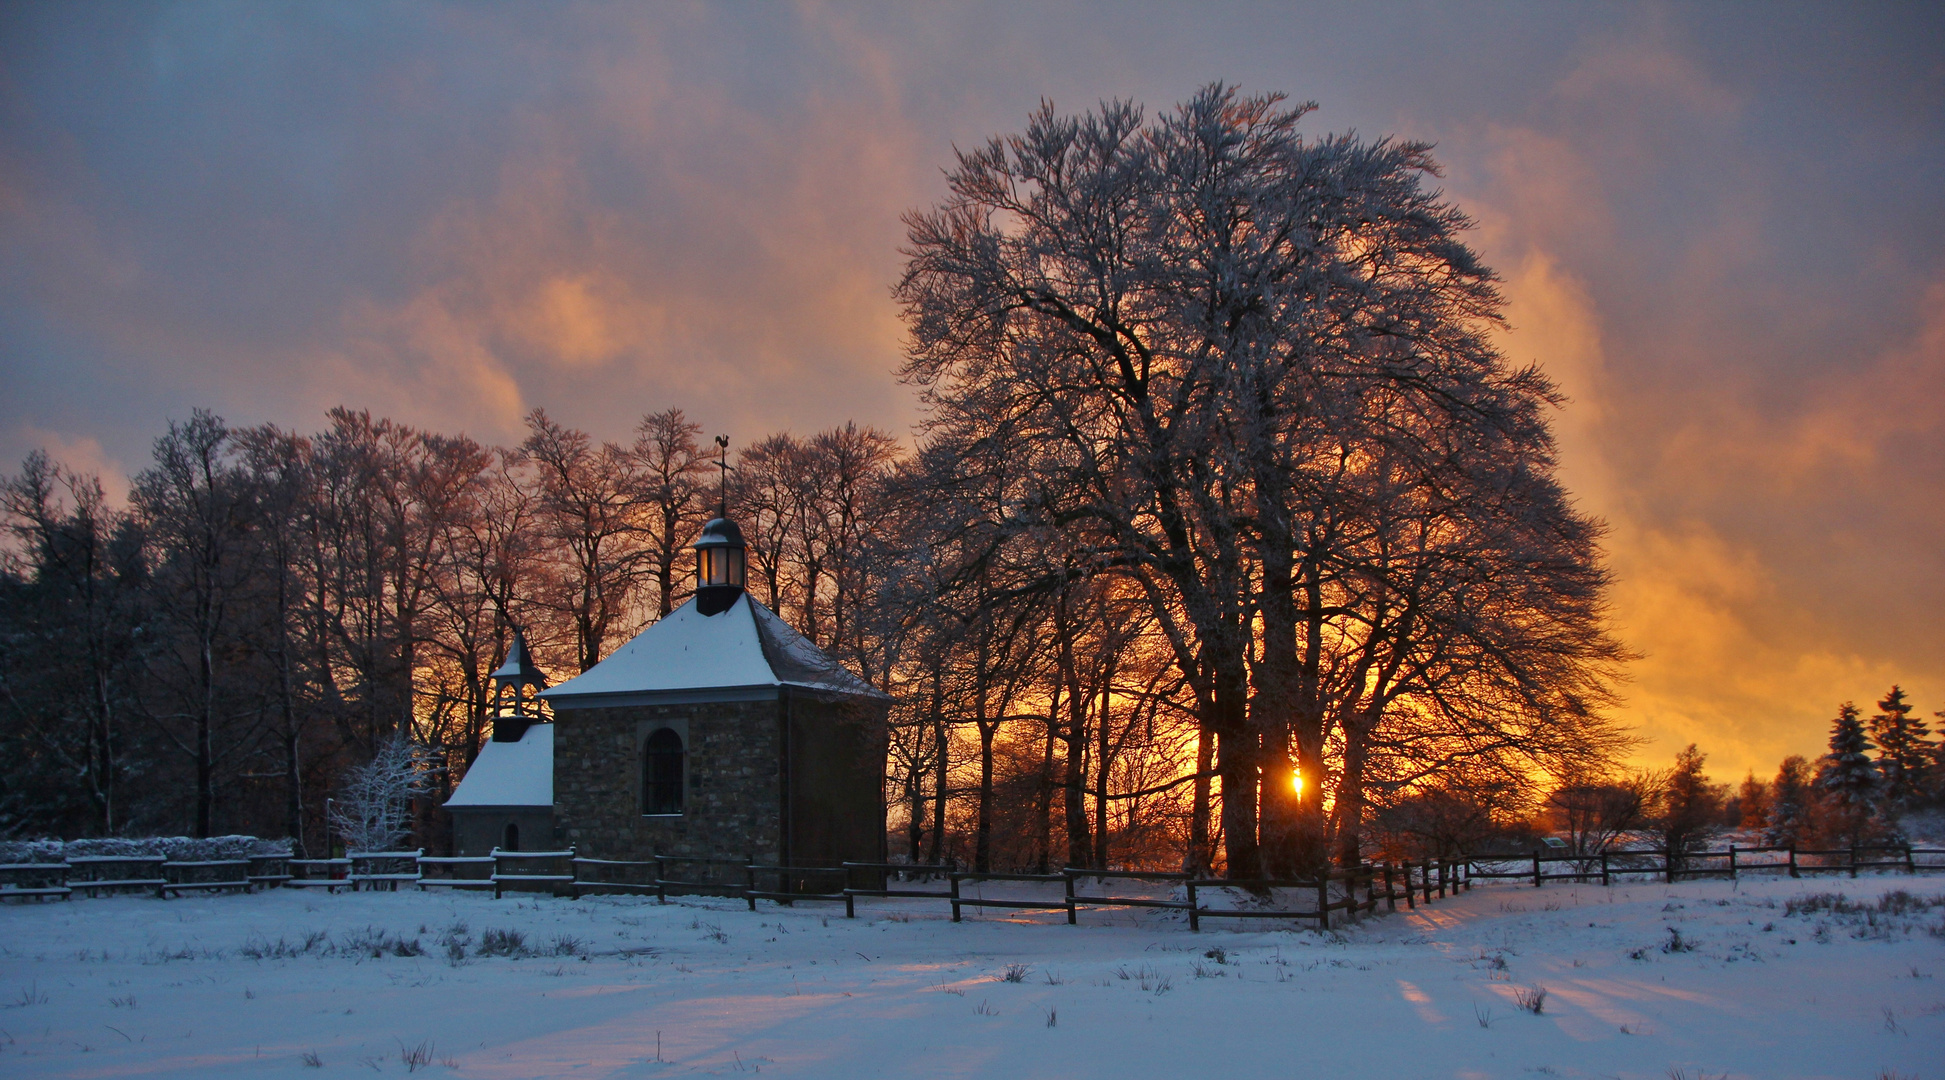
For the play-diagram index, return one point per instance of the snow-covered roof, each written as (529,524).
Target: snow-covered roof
(519,666)
(743,650)
(511,773)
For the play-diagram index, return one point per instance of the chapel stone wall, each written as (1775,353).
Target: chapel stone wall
(837,753)
(732,798)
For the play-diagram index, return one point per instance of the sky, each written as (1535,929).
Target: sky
(1721,229)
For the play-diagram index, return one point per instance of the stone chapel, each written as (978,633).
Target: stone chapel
(717,732)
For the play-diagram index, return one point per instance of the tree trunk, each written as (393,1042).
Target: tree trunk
(1043,815)
(983,834)
(1196,860)
(1350,796)
(941,766)
(1236,761)
(1102,761)
(205,738)
(1271,711)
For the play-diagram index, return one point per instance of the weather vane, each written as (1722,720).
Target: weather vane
(722,462)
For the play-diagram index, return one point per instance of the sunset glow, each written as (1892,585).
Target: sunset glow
(607,211)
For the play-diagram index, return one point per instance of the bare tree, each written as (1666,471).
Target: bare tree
(372,811)
(1595,812)
(1222,352)
(69,668)
(197,509)
(674,498)
(588,503)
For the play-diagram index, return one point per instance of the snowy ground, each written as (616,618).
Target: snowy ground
(264,985)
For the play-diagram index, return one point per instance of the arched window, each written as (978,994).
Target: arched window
(511,841)
(662,767)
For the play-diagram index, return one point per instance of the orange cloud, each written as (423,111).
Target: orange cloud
(1764,529)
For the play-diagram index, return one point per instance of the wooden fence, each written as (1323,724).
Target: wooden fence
(1731,862)
(1353,892)
(1349,893)
(153,874)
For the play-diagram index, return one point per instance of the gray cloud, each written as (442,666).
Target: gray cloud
(1721,229)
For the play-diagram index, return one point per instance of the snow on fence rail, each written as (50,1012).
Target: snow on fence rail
(566,873)
(1351,891)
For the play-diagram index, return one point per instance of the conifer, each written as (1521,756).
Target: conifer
(1904,752)
(1850,783)
(1789,809)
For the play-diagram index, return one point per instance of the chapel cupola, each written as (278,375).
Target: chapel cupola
(719,566)
(720,553)
(516,687)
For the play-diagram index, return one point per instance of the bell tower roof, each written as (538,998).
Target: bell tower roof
(518,668)
(720,532)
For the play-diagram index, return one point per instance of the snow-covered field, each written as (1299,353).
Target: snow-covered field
(285,984)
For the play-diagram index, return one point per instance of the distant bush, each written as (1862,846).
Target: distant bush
(178,848)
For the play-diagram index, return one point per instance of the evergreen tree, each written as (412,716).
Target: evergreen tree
(1789,821)
(1904,753)
(1689,806)
(1850,784)
(1752,802)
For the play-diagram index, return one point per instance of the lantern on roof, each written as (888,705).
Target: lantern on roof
(517,684)
(719,566)
(720,553)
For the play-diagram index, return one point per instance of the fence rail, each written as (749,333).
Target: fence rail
(1732,862)
(1352,892)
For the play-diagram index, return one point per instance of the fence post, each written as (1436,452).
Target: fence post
(1605,878)
(749,891)
(1793,872)
(1195,914)
(1910,864)
(1668,864)
(1323,901)
(1069,875)
(1390,892)
(953,876)
(1536,868)
(1732,862)
(1853,860)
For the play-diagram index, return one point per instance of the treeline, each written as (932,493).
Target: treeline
(270,608)
(1876,771)
(1230,542)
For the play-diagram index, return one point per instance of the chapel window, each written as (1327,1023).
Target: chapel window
(662,769)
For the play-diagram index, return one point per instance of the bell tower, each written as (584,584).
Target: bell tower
(720,554)
(517,684)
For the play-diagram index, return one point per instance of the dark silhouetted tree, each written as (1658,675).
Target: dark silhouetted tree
(1905,752)
(1849,784)
(1791,817)
(1687,807)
